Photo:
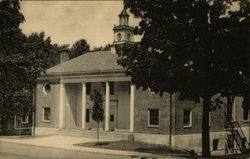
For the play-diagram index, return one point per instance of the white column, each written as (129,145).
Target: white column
(83,105)
(132,107)
(62,106)
(107,107)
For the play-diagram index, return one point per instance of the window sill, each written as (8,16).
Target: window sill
(153,126)
(46,121)
(24,122)
(246,121)
(187,127)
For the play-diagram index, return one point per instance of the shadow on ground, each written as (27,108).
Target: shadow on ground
(138,147)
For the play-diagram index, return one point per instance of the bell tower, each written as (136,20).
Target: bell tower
(123,33)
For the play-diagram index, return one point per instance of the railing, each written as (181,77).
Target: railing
(238,135)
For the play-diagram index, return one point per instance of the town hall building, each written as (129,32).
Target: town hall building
(63,104)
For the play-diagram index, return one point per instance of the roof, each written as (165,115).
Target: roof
(124,13)
(100,61)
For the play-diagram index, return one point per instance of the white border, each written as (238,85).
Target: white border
(191,119)
(43,115)
(44,90)
(26,121)
(154,126)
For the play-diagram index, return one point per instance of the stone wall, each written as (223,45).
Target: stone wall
(216,118)
(145,100)
(52,100)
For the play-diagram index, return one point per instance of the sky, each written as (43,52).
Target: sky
(68,21)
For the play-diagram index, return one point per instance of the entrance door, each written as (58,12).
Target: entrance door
(113,117)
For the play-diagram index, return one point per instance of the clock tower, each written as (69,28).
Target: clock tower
(123,33)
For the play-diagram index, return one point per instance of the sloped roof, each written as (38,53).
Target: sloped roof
(124,13)
(100,61)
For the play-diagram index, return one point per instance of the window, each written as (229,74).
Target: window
(46,114)
(187,118)
(128,36)
(111,86)
(129,88)
(245,113)
(88,88)
(46,88)
(25,119)
(112,118)
(215,144)
(87,116)
(119,36)
(153,117)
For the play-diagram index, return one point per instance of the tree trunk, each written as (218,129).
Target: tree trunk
(205,128)
(98,132)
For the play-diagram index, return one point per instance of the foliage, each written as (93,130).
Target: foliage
(97,114)
(11,58)
(97,48)
(78,48)
(22,59)
(105,48)
(196,48)
(97,111)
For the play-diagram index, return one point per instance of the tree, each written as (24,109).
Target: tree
(79,47)
(105,48)
(22,59)
(196,48)
(97,48)
(98,113)
(12,72)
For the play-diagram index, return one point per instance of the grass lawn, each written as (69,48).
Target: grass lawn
(136,146)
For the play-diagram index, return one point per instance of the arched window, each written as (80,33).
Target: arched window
(119,36)
(128,36)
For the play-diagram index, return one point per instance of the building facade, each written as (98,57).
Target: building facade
(63,102)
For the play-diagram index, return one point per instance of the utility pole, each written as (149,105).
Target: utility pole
(170,121)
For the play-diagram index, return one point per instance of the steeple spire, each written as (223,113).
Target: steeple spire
(124,17)
(123,13)
(123,33)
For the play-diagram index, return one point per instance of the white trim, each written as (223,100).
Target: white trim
(190,119)
(44,90)
(62,106)
(49,114)
(132,108)
(26,120)
(84,93)
(107,107)
(153,126)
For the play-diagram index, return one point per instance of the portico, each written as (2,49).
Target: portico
(118,103)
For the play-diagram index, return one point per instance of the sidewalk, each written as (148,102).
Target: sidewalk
(68,142)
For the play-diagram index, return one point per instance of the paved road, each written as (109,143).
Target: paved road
(18,151)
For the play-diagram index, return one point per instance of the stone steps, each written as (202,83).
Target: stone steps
(111,135)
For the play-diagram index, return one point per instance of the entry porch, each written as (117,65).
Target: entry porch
(75,108)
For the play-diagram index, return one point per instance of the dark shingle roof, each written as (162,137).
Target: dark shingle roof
(99,61)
